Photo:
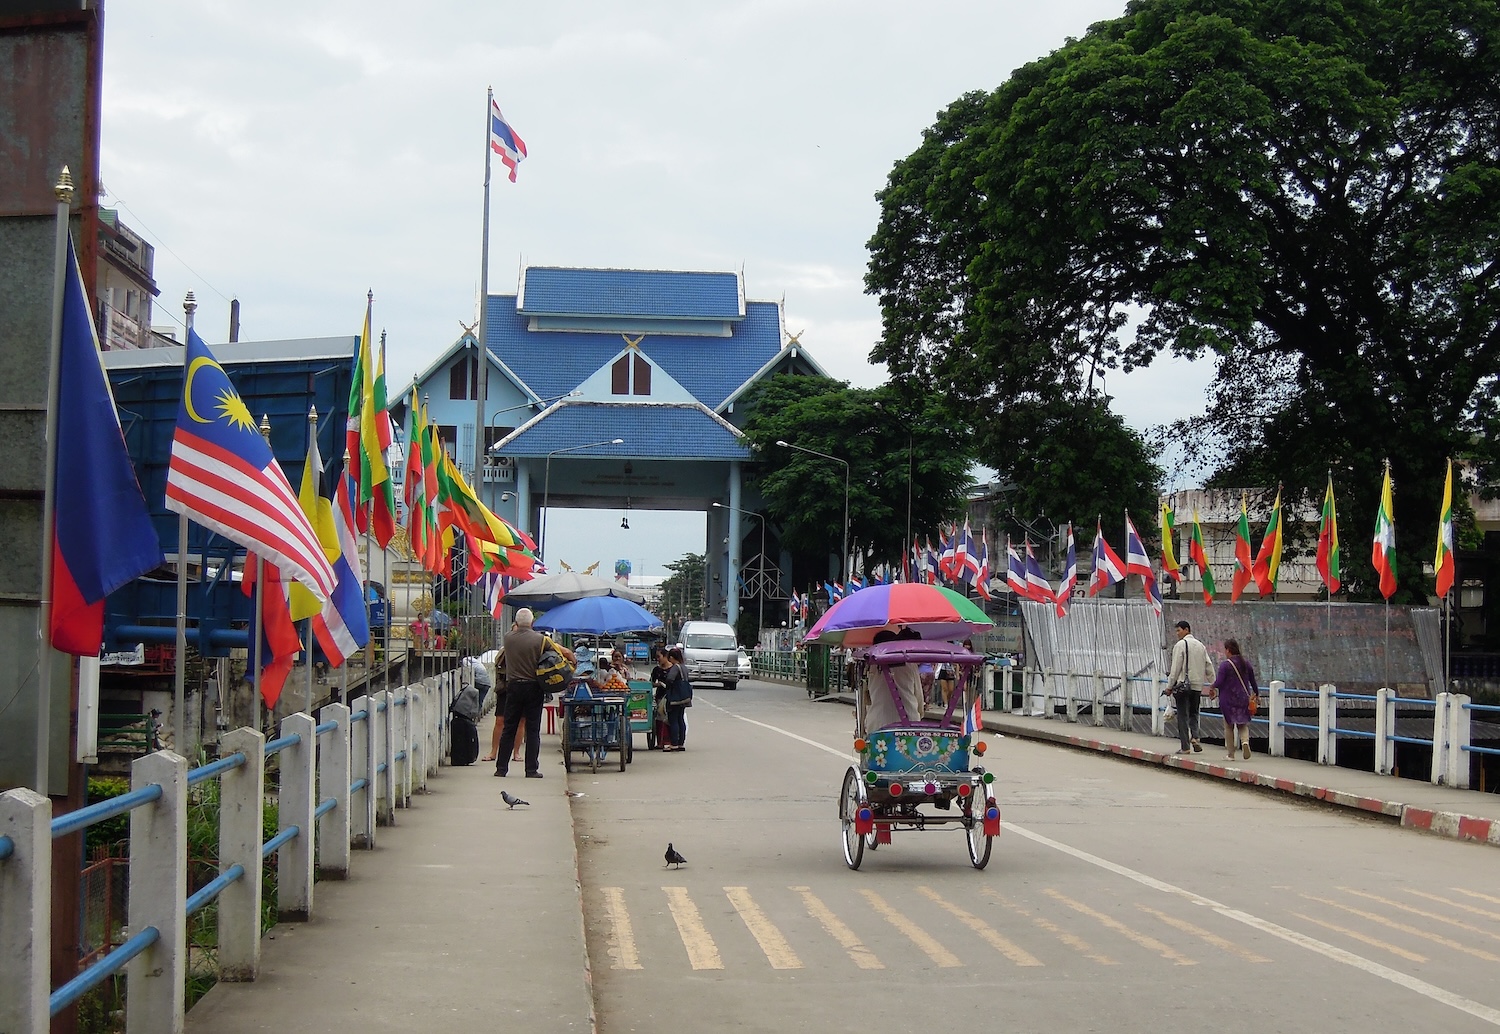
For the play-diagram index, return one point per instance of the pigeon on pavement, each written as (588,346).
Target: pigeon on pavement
(512,801)
(673,858)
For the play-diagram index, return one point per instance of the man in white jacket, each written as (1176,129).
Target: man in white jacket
(1191,671)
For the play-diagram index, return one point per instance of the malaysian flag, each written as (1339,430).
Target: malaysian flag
(1070,577)
(223,475)
(504,141)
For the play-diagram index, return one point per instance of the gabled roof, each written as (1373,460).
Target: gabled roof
(711,367)
(466,341)
(651,430)
(791,356)
(650,293)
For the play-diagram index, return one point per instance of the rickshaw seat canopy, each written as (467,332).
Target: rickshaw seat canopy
(920,651)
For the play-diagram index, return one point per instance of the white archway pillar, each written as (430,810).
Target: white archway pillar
(732,572)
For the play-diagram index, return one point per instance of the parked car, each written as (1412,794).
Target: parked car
(745,668)
(712,652)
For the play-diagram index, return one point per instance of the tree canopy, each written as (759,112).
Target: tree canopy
(1307,191)
(870,429)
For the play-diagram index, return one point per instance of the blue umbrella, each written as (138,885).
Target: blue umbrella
(602,615)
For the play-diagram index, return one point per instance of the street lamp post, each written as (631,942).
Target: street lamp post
(910,439)
(541,545)
(844,557)
(760,592)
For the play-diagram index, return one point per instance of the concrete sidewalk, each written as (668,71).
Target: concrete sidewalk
(1458,814)
(466,916)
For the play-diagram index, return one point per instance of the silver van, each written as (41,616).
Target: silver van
(711,651)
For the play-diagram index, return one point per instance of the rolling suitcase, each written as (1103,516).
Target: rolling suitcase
(465,743)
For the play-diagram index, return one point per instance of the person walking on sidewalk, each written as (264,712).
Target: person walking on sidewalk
(1191,671)
(1234,682)
(524,694)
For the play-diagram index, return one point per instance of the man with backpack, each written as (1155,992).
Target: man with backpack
(525,693)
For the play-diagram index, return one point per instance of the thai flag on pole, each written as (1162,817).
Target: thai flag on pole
(1108,568)
(1036,582)
(982,580)
(504,141)
(1136,560)
(102,536)
(973,717)
(343,626)
(1015,572)
(856,583)
(968,555)
(223,475)
(1070,578)
(933,562)
(1153,592)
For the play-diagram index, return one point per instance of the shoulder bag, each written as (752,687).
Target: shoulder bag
(552,669)
(1253,695)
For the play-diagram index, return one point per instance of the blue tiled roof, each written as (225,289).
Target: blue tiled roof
(555,363)
(650,432)
(551,291)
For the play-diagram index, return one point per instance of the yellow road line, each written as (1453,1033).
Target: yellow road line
(1456,904)
(1372,942)
(1222,943)
(1072,940)
(1383,921)
(1017,954)
(863,957)
(920,937)
(778,952)
(1418,912)
(1144,940)
(1476,894)
(701,950)
(621,935)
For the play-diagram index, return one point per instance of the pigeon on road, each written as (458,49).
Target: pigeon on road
(512,801)
(673,858)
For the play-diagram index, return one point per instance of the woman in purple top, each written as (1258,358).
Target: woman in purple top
(1234,683)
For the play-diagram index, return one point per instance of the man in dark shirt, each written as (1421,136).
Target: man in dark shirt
(524,694)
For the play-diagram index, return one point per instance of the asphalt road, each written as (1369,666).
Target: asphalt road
(1119,898)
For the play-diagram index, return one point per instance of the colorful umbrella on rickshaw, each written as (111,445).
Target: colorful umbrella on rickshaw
(931,611)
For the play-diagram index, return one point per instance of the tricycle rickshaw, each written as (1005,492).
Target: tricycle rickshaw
(908,763)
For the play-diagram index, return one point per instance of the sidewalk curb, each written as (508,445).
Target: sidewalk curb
(583,933)
(1453,825)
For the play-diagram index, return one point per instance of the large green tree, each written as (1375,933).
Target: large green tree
(1306,190)
(881,435)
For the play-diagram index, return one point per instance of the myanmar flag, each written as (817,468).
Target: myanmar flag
(1268,560)
(1244,567)
(1444,561)
(1383,554)
(1198,555)
(1328,543)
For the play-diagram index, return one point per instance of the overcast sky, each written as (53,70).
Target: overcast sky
(294,155)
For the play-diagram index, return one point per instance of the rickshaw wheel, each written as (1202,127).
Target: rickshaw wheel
(851,798)
(979,842)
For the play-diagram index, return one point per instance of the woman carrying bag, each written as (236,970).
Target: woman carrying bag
(1235,683)
(679,697)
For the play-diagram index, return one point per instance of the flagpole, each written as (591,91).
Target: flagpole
(483,351)
(260,592)
(63,191)
(312,430)
(179,675)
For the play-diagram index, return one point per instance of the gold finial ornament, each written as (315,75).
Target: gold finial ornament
(633,342)
(63,188)
(795,339)
(265,427)
(189,303)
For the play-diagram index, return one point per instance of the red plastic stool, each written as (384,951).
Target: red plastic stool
(551,711)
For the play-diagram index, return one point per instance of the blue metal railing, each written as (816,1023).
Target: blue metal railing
(287,835)
(324,808)
(75,821)
(7,848)
(1489,709)
(359,716)
(290,740)
(1415,741)
(327,726)
(1352,733)
(215,887)
(215,768)
(358,785)
(1289,692)
(101,970)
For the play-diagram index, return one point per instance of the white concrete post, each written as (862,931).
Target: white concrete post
(395,730)
(405,745)
(1458,739)
(296,805)
(241,807)
(418,709)
(333,781)
(158,896)
(987,687)
(386,809)
(1098,690)
(1277,731)
(26,911)
(362,766)
(1008,682)
(1385,728)
(1070,703)
(1439,775)
(1124,699)
(1158,708)
(1328,721)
